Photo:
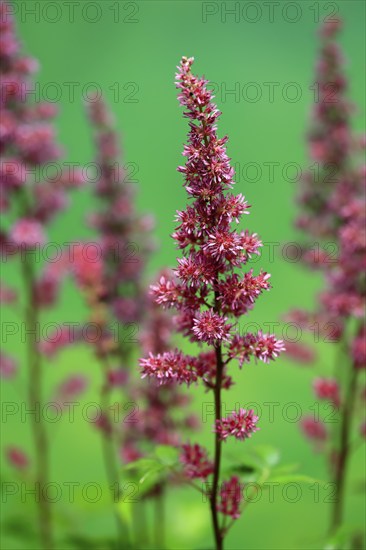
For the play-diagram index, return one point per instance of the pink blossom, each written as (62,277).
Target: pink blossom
(117,377)
(46,290)
(210,327)
(27,233)
(17,458)
(363,430)
(169,366)
(195,461)
(231,496)
(62,337)
(240,424)
(8,366)
(72,386)
(301,353)
(87,265)
(359,349)
(327,389)
(238,296)
(7,294)
(13,174)
(264,347)
(165,292)
(36,143)
(313,429)
(208,289)
(206,367)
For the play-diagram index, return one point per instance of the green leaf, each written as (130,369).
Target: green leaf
(242,469)
(152,472)
(268,456)
(124,510)
(292,478)
(284,469)
(141,465)
(167,455)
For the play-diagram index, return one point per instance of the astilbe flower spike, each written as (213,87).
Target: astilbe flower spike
(208,289)
(112,284)
(28,204)
(333,211)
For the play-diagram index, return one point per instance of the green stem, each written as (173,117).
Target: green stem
(159,519)
(35,400)
(342,458)
(112,468)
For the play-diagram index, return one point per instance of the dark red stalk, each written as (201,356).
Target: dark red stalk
(217,456)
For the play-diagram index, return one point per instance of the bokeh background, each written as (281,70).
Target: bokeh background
(130,51)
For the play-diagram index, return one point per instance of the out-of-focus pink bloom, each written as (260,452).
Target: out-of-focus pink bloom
(72,386)
(359,349)
(62,337)
(117,377)
(87,265)
(46,290)
(231,496)
(327,389)
(195,461)
(27,233)
(49,202)
(129,453)
(7,295)
(8,366)
(240,425)
(126,310)
(68,390)
(363,430)
(17,458)
(331,28)
(13,174)
(103,423)
(36,143)
(301,353)
(314,429)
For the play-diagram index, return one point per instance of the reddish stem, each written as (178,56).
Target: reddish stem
(217,458)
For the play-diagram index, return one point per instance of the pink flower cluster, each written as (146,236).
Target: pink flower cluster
(69,390)
(27,142)
(333,210)
(17,458)
(240,425)
(162,413)
(231,497)
(195,461)
(208,287)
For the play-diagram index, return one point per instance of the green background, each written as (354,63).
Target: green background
(143,47)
